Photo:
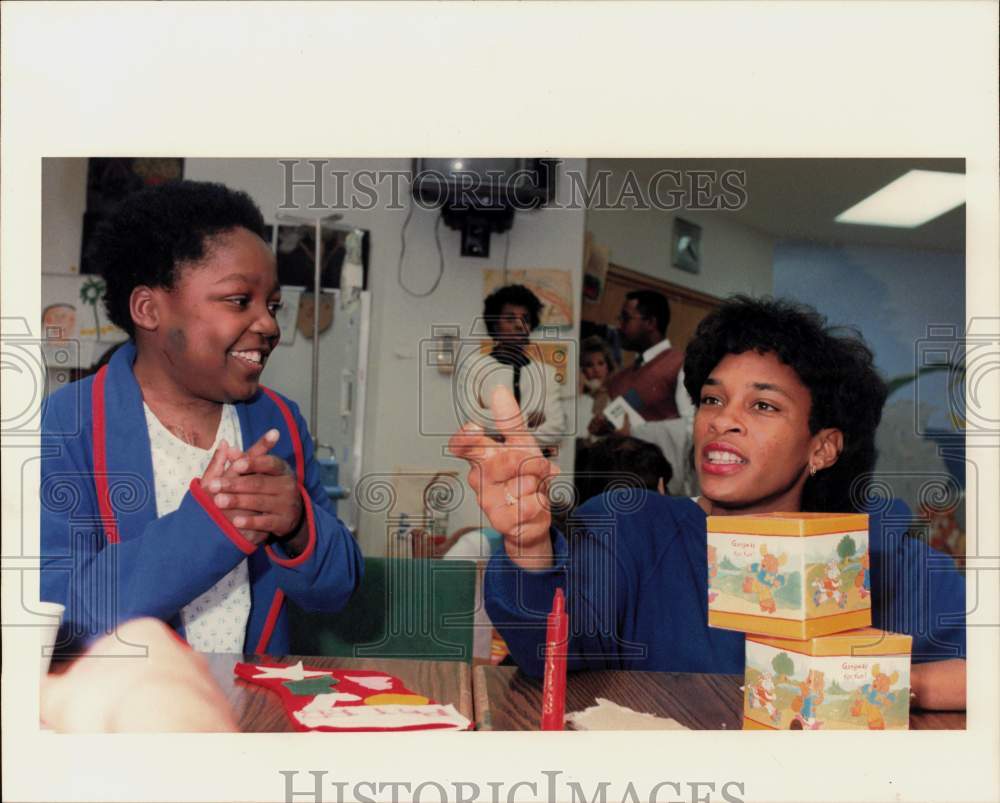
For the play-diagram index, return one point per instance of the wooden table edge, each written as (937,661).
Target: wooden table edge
(481,699)
(483,714)
(467,704)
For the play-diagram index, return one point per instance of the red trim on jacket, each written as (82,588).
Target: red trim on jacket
(291,563)
(293,430)
(100,447)
(270,622)
(178,638)
(202,497)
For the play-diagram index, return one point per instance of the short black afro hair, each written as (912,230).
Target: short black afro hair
(833,363)
(516,294)
(157,229)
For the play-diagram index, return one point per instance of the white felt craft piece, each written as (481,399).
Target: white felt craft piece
(322,703)
(294,672)
(609,716)
(378,717)
(375,682)
(330,699)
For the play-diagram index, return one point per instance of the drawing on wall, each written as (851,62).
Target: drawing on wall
(59,323)
(92,295)
(554,289)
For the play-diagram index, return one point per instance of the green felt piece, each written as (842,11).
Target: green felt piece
(310,687)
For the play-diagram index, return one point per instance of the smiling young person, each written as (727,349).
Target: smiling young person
(786,416)
(174,484)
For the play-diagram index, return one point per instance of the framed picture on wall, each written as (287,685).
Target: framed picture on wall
(686,247)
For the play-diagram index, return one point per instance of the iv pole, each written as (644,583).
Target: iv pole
(330,222)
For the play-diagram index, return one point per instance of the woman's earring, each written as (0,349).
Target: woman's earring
(812,471)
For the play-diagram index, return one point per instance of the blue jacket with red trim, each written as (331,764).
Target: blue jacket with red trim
(108,557)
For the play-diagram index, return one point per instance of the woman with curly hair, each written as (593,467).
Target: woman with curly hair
(178,461)
(786,415)
(511,313)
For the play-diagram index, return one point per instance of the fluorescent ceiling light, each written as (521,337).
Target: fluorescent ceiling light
(909,201)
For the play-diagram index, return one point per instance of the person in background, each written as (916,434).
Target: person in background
(596,365)
(174,485)
(786,420)
(469,543)
(653,384)
(512,314)
(673,438)
(616,462)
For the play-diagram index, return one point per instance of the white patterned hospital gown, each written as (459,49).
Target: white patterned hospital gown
(216,621)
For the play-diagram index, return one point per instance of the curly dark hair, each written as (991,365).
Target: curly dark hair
(155,230)
(834,364)
(516,294)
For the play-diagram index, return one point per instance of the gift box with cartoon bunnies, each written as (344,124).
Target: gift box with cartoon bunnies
(795,575)
(859,680)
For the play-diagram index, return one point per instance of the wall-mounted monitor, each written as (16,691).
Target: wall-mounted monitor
(484,183)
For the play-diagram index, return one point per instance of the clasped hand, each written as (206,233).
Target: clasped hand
(255,490)
(510,479)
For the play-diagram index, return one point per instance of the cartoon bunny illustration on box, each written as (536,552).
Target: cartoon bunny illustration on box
(829,587)
(762,695)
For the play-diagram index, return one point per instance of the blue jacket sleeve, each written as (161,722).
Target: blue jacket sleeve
(598,588)
(323,577)
(916,589)
(153,573)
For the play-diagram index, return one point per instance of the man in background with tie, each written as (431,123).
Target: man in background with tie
(511,313)
(653,385)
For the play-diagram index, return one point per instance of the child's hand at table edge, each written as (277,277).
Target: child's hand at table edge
(511,481)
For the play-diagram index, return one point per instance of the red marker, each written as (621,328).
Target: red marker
(554,684)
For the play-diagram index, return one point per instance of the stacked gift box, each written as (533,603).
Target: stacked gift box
(799,586)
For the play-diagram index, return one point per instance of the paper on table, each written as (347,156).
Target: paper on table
(609,716)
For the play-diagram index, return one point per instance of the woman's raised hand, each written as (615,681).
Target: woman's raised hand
(510,477)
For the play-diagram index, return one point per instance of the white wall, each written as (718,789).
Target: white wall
(64,192)
(735,258)
(403,426)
